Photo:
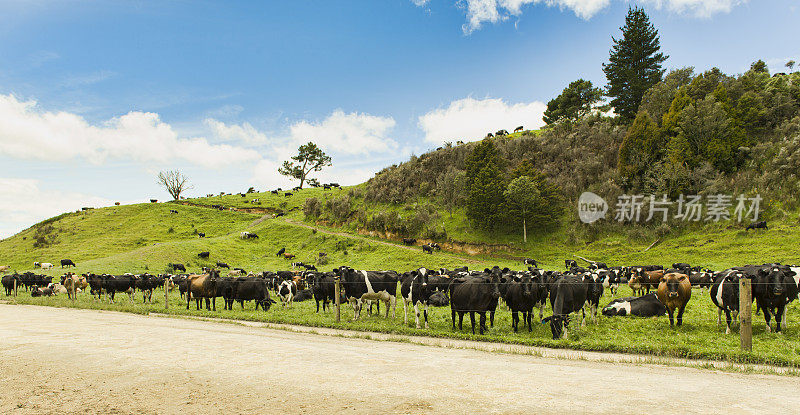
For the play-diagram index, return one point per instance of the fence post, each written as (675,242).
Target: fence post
(15,287)
(166,294)
(745,314)
(338,293)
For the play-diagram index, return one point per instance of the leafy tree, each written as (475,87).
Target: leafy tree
(521,195)
(309,158)
(759,66)
(642,146)
(485,185)
(451,188)
(790,65)
(658,99)
(574,102)
(174,182)
(634,63)
(709,135)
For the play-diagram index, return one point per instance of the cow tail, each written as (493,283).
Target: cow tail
(558,305)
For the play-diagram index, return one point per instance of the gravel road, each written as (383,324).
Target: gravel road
(84,361)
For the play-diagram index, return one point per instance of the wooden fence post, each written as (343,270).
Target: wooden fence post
(166,294)
(745,314)
(15,287)
(338,293)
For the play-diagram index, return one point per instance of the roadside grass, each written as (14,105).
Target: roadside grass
(699,338)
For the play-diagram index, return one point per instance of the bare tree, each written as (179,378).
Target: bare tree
(174,182)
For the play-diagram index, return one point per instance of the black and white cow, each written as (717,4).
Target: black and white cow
(531,262)
(569,263)
(415,291)
(773,288)
(286,291)
(644,306)
(725,295)
(363,286)
(594,290)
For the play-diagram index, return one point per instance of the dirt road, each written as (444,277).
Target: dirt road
(83,361)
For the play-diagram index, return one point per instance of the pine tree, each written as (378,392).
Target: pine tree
(485,185)
(634,63)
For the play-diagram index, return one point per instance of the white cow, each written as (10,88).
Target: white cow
(46,265)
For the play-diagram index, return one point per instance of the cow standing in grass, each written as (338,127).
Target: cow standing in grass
(200,287)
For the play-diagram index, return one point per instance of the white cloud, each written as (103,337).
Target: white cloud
(27,132)
(470,119)
(353,133)
(244,132)
(494,11)
(420,3)
(697,8)
(24,203)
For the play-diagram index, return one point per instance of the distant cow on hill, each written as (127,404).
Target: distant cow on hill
(67,263)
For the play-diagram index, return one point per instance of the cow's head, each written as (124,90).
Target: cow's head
(557,324)
(771,280)
(673,282)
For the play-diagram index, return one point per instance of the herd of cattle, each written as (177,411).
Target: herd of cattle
(577,289)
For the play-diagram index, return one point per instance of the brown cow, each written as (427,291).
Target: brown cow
(638,282)
(5,268)
(653,279)
(72,283)
(674,291)
(288,256)
(202,286)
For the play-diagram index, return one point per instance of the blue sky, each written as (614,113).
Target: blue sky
(97,97)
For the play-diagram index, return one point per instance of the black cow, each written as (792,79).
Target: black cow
(569,263)
(204,255)
(287,194)
(146,283)
(223,265)
(280,252)
(757,225)
(8,283)
(520,128)
(176,267)
(773,288)
(521,295)
(681,266)
(67,263)
(438,299)
(701,279)
(531,262)
(303,295)
(323,287)
(644,306)
(254,289)
(409,241)
(226,288)
(427,249)
(567,295)
(415,291)
(173,211)
(119,283)
(472,294)
(201,234)
(361,286)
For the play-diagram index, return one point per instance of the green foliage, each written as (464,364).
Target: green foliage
(312,207)
(340,208)
(634,63)
(574,102)
(657,101)
(309,158)
(44,236)
(643,145)
(759,66)
(451,188)
(708,134)
(485,184)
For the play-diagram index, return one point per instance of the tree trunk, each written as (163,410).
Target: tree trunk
(524,231)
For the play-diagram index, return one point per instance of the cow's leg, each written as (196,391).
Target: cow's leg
(583,317)
(783,320)
(767,318)
(670,311)
(514,320)
(453,317)
(425,313)
(719,316)
(727,322)
(393,303)
(779,317)
(472,321)
(680,314)
(541,311)
(491,319)
(416,314)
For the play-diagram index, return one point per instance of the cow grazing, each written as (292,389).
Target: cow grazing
(500,133)
(567,295)
(254,289)
(280,252)
(153,200)
(415,291)
(45,265)
(520,128)
(176,267)
(757,225)
(173,211)
(530,262)
(409,241)
(427,249)
(644,306)
(200,287)
(248,235)
(287,194)
(201,234)
(472,294)
(4,269)
(204,255)
(288,256)
(674,291)
(67,263)
(222,265)
(286,291)
(363,286)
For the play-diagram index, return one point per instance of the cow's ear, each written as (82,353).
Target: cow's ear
(762,272)
(683,277)
(790,273)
